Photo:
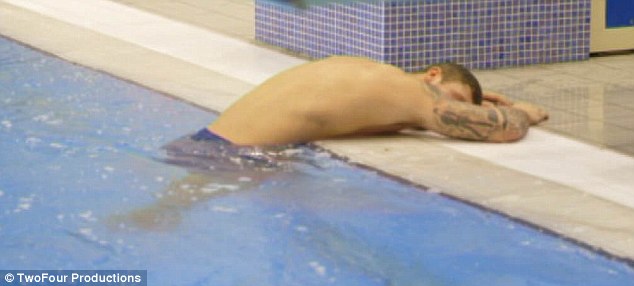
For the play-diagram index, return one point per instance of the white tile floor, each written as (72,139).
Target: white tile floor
(200,47)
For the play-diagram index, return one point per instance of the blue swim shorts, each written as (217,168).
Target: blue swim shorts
(205,150)
(207,135)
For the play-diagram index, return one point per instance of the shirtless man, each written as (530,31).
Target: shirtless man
(344,96)
(338,96)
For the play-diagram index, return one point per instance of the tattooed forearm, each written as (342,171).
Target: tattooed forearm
(516,122)
(467,126)
(466,121)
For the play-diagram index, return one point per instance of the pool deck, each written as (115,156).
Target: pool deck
(572,177)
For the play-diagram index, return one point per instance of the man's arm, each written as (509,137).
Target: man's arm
(471,122)
(496,99)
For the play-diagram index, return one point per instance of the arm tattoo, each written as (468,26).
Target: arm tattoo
(516,121)
(466,121)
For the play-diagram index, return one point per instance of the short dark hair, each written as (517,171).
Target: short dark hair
(452,72)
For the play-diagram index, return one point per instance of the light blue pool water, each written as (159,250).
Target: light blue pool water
(84,185)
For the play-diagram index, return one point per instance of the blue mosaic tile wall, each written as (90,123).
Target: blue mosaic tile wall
(412,34)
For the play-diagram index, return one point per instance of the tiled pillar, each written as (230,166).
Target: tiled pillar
(415,33)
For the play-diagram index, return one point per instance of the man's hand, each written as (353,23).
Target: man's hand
(535,113)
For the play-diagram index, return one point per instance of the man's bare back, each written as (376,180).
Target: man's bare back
(342,96)
(334,97)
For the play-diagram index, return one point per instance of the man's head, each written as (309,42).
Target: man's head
(454,81)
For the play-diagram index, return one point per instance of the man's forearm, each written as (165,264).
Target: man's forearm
(471,122)
(536,114)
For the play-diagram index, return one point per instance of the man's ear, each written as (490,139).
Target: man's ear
(433,75)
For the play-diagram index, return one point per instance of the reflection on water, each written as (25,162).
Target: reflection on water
(95,174)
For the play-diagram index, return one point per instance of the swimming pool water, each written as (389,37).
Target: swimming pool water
(84,185)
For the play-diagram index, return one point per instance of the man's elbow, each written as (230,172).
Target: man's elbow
(513,136)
